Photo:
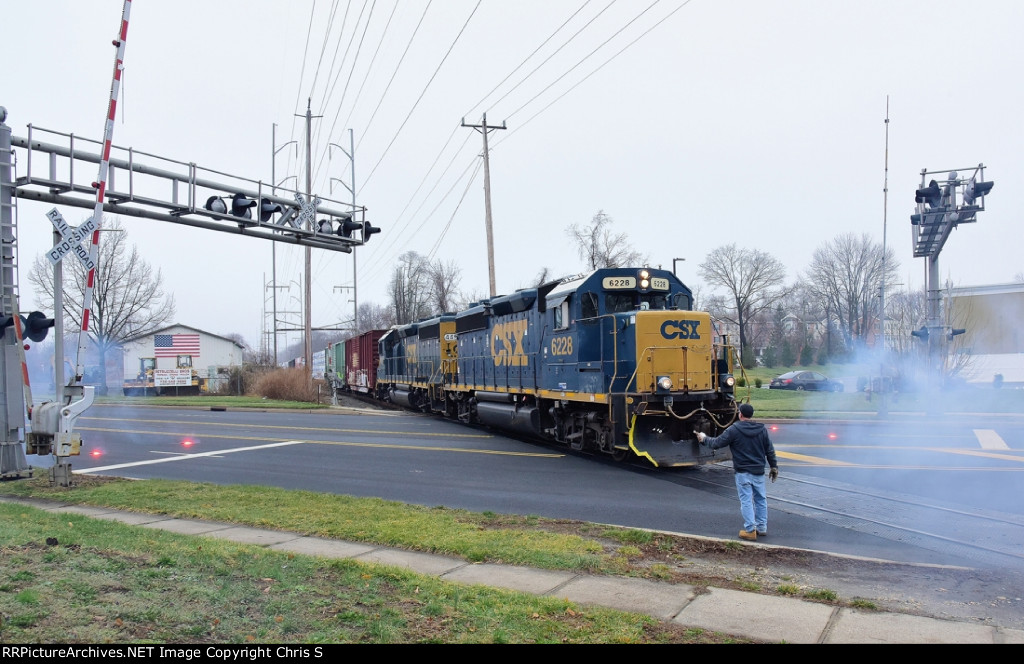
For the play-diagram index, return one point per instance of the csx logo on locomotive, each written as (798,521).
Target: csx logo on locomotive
(680,329)
(507,344)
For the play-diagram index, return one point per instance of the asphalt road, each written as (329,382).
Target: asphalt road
(936,492)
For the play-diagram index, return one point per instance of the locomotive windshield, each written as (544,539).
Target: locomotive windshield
(619,303)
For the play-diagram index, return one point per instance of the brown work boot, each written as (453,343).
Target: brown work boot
(748,535)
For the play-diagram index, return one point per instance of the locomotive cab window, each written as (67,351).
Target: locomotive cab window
(561,315)
(588,305)
(654,301)
(681,301)
(618,303)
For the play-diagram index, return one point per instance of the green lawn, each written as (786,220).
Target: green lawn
(789,403)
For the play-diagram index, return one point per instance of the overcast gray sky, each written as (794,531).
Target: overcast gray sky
(692,124)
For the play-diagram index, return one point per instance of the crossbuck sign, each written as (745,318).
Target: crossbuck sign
(72,242)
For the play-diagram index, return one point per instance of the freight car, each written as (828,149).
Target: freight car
(351,365)
(614,361)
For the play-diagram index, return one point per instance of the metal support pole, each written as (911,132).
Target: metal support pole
(311,224)
(12,401)
(273,246)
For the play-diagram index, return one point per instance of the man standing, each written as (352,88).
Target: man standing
(751,448)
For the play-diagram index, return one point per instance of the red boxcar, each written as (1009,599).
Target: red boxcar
(361,358)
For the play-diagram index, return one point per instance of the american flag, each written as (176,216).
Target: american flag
(173,345)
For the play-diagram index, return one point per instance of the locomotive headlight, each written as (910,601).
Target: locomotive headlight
(645,279)
(729,382)
(664,384)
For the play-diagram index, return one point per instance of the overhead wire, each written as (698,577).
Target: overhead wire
(351,71)
(398,66)
(331,76)
(527,58)
(369,68)
(397,231)
(584,59)
(444,231)
(564,44)
(376,262)
(423,92)
(405,237)
(578,83)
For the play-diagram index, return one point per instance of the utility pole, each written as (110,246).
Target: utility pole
(308,319)
(884,387)
(351,154)
(273,245)
(484,129)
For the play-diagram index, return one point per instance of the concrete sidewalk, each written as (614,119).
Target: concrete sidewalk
(744,614)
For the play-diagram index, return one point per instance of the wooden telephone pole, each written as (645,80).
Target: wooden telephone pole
(484,129)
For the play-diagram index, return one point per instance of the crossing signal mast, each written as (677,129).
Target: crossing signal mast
(948,200)
(133,183)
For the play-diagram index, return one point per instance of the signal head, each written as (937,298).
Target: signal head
(240,206)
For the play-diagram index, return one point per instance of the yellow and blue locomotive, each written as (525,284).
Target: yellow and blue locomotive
(613,361)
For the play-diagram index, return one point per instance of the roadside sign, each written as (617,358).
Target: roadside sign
(172,377)
(72,242)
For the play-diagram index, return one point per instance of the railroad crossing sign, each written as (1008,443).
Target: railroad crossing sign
(72,242)
(307,211)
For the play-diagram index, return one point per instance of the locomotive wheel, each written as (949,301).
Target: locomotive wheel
(620,455)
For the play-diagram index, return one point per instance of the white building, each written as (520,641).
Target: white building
(180,347)
(992,318)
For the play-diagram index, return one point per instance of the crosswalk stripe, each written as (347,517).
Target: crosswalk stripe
(990,440)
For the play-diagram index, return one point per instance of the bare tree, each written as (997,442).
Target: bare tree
(599,247)
(845,275)
(754,281)
(373,316)
(410,288)
(444,284)
(128,296)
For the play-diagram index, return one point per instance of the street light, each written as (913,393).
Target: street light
(674,261)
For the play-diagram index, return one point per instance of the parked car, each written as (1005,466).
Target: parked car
(805,380)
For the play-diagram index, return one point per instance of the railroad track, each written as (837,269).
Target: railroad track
(988,538)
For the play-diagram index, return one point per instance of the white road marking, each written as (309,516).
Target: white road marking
(183,457)
(990,440)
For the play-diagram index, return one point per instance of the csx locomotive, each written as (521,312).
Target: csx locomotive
(614,361)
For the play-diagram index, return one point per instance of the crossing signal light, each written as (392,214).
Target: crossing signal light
(324,226)
(369,230)
(955,331)
(240,206)
(921,334)
(216,204)
(932,195)
(34,327)
(975,190)
(268,208)
(347,226)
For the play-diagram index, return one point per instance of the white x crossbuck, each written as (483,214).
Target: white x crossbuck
(72,242)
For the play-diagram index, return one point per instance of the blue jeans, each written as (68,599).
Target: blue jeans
(753,502)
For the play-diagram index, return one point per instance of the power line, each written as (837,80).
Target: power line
(527,59)
(599,68)
(423,92)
